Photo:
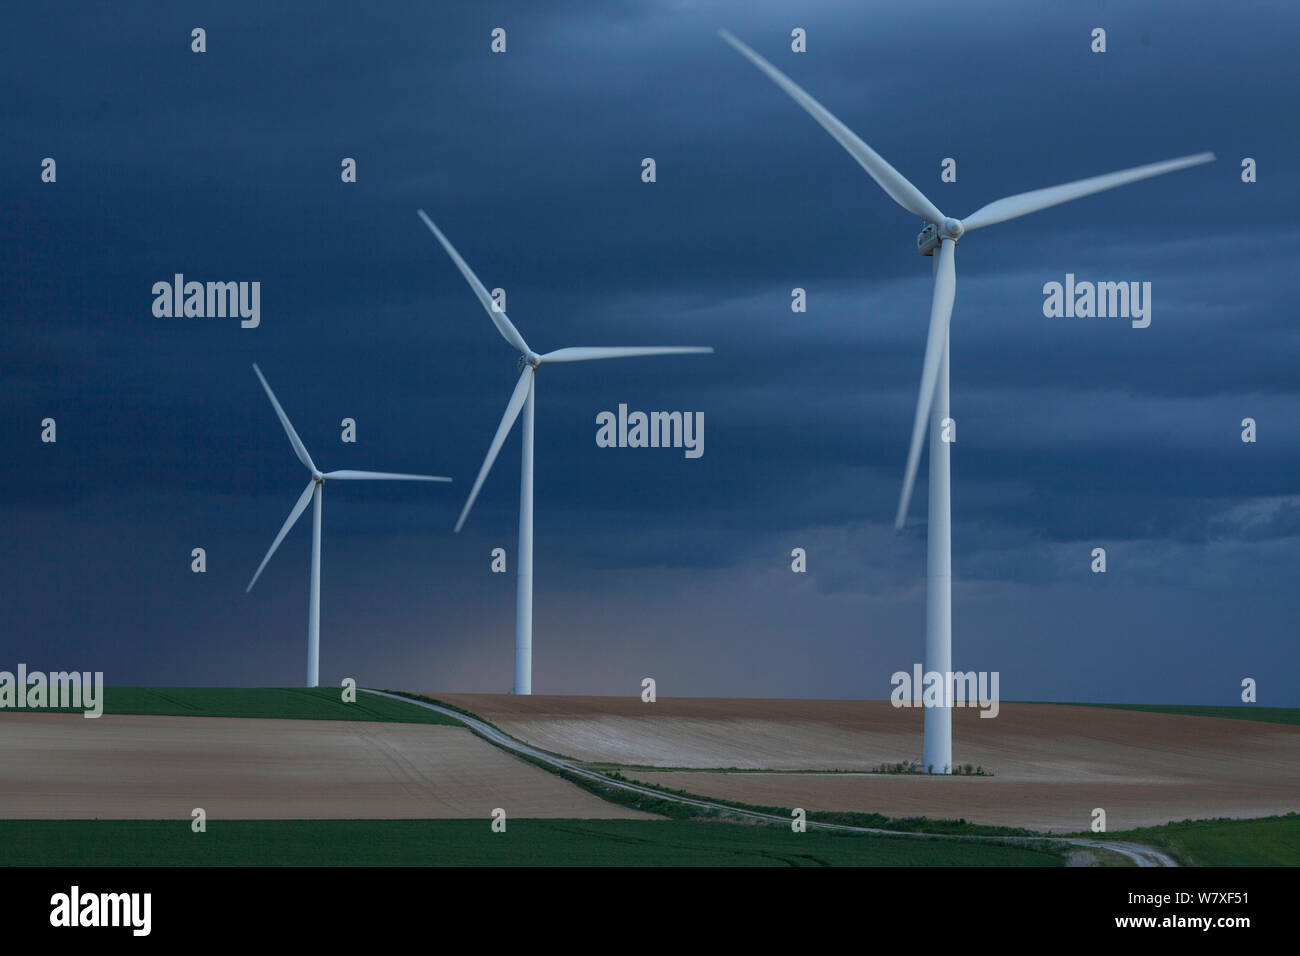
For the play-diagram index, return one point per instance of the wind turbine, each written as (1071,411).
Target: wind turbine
(939,239)
(522,398)
(313,493)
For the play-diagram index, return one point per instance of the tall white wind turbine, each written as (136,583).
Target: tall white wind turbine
(522,399)
(939,239)
(313,493)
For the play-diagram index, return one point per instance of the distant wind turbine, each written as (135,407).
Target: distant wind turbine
(940,236)
(522,398)
(313,492)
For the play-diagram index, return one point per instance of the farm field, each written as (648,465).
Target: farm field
(296,703)
(526,842)
(286,778)
(129,767)
(1051,764)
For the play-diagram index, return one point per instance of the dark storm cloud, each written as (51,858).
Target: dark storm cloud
(1073,432)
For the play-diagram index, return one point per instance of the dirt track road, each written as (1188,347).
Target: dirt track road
(1139,854)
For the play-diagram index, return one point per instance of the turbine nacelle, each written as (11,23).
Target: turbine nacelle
(928,240)
(932,236)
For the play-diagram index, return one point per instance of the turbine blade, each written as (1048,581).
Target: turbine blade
(508,419)
(346,475)
(294,515)
(889,178)
(583,354)
(294,440)
(1022,204)
(945,290)
(499,318)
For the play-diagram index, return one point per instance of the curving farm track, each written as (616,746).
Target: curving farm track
(1139,854)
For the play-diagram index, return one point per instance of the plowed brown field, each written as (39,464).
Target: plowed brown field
(1052,764)
(62,766)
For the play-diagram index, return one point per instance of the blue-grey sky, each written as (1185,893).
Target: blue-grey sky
(1073,433)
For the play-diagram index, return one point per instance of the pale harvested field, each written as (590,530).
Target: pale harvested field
(1053,764)
(62,766)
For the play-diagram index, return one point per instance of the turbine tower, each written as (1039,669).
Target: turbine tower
(939,239)
(313,493)
(522,399)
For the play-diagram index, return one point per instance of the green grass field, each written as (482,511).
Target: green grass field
(1271,715)
(1268,841)
(472,843)
(301,703)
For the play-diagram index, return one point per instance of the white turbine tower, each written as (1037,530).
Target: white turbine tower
(940,236)
(313,493)
(522,398)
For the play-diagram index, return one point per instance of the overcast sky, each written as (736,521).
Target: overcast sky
(1074,433)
